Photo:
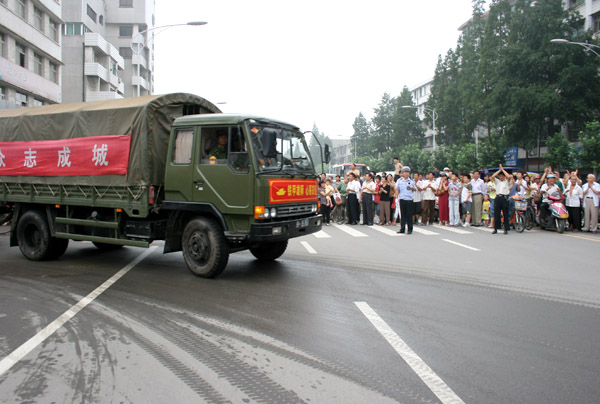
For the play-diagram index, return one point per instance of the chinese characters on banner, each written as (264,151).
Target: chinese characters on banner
(286,190)
(97,155)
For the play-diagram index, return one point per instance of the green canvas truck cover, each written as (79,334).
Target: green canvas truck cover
(146,119)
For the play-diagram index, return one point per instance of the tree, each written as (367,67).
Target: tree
(360,138)
(590,143)
(406,126)
(560,152)
(380,139)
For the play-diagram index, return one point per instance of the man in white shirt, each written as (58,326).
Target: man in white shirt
(574,195)
(417,199)
(366,197)
(478,189)
(429,188)
(591,200)
(549,188)
(352,190)
(503,182)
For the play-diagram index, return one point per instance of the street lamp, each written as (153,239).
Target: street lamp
(587,46)
(138,41)
(432,114)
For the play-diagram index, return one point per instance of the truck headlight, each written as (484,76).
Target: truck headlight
(273,213)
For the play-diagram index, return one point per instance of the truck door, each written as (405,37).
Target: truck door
(180,170)
(223,174)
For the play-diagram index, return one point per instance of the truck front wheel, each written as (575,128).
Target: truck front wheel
(205,249)
(269,251)
(33,235)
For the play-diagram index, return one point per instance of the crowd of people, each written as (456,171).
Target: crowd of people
(467,199)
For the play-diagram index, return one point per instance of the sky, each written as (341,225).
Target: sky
(304,62)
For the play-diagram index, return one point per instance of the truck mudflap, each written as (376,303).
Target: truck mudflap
(284,230)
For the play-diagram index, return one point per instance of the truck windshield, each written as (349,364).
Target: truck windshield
(292,152)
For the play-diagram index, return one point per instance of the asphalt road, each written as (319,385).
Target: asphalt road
(353,314)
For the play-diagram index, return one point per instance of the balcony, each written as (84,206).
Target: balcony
(96,40)
(102,95)
(137,80)
(139,59)
(96,69)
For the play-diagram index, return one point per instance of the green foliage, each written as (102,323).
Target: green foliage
(360,138)
(381,135)
(560,152)
(491,150)
(590,142)
(406,126)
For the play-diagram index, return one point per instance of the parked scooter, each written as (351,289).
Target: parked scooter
(558,215)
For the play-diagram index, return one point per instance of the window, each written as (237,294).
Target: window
(54,31)
(2,44)
(38,64)
(75,28)
(20,58)
(37,103)
(113,67)
(21,99)
(53,73)
(21,8)
(182,152)
(38,19)
(125,3)
(126,52)
(2,94)
(126,31)
(91,13)
(101,20)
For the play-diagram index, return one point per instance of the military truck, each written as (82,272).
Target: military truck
(170,167)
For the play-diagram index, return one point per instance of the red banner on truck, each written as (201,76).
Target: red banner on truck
(285,190)
(96,155)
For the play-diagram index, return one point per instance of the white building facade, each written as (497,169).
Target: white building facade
(30,53)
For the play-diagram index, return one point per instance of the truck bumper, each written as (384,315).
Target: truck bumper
(284,230)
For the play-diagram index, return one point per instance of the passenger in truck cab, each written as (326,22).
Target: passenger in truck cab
(219,152)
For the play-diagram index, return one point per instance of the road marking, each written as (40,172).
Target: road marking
(483,228)
(421,230)
(308,247)
(461,245)
(582,237)
(350,230)
(454,229)
(429,377)
(19,353)
(321,234)
(382,229)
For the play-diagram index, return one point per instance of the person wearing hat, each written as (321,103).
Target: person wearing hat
(219,152)
(503,182)
(406,187)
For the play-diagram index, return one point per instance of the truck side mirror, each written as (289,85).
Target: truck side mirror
(269,143)
(327,154)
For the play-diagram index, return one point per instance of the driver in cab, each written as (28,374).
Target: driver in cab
(219,152)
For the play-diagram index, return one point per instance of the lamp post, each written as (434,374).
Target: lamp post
(138,41)
(587,46)
(432,114)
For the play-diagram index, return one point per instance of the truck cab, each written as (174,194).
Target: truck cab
(251,178)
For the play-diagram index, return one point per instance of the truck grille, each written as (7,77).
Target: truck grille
(285,211)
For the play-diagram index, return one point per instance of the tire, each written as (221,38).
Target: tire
(106,246)
(205,249)
(520,223)
(530,219)
(561,225)
(58,246)
(33,236)
(269,251)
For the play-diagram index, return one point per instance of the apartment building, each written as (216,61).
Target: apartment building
(420,94)
(30,53)
(100,52)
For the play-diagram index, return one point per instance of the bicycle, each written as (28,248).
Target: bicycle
(530,215)
(520,214)
(338,214)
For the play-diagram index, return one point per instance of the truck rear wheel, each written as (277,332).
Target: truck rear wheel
(33,236)
(205,249)
(58,246)
(269,251)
